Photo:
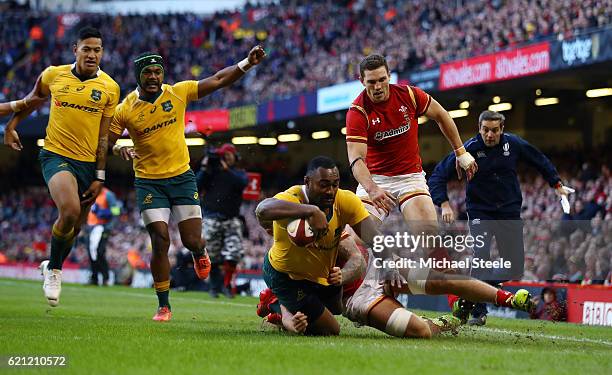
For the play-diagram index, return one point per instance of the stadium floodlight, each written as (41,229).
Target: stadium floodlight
(125,142)
(195,141)
(320,134)
(546,101)
(267,141)
(464,104)
(500,107)
(496,99)
(343,130)
(422,120)
(244,140)
(292,137)
(40,142)
(458,113)
(596,93)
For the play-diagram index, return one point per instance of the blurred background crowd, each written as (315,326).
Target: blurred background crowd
(314,44)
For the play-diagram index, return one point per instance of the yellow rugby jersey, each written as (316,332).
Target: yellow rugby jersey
(158,130)
(76,110)
(314,263)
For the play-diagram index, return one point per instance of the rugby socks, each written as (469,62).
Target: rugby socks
(229,268)
(451,300)
(61,243)
(162,289)
(503,298)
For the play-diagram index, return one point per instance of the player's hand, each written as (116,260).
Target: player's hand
(335,276)
(562,190)
(300,323)
(11,139)
(128,153)
(224,165)
(448,215)
(256,55)
(466,163)
(318,221)
(90,195)
(382,199)
(390,276)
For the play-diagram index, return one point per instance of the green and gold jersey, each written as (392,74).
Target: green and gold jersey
(316,261)
(158,130)
(76,110)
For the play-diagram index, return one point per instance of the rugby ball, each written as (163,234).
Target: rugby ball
(300,233)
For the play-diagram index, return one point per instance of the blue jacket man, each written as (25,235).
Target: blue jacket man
(493,195)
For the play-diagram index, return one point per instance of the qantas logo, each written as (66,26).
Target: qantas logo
(83,108)
(157,126)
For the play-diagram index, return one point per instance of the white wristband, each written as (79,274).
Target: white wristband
(100,175)
(245,65)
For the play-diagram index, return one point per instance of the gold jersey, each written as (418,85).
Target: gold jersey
(315,262)
(77,108)
(158,130)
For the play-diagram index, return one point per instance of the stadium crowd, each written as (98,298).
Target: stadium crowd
(311,43)
(575,247)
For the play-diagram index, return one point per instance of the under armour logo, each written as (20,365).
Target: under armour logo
(152,59)
(376,121)
(506,149)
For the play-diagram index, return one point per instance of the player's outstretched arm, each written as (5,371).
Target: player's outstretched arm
(231,74)
(465,161)
(23,108)
(271,209)
(382,200)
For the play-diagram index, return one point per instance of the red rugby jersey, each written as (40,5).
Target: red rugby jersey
(390,129)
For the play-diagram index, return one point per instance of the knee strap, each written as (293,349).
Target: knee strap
(398,322)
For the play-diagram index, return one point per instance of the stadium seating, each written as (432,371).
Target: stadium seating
(302,57)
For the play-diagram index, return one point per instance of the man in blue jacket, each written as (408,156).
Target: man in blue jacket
(493,198)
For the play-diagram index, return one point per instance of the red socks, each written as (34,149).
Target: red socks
(503,298)
(451,300)
(229,268)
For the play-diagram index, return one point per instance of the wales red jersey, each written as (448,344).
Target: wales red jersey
(390,129)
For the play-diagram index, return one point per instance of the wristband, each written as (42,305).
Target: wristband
(460,151)
(16,104)
(245,65)
(100,175)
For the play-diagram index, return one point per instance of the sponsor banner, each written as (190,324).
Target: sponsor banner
(242,117)
(590,305)
(426,79)
(286,109)
(338,97)
(207,122)
(581,50)
(252,191)
(533,59)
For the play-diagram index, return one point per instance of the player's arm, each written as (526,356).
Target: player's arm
(271,209)
(368,232)
(89,196)
(354,263)
(231,74)
(26,106)
(437,113)
(357,152)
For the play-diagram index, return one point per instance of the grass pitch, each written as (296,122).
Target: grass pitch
(110,331)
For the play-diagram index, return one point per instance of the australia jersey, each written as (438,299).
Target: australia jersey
(158,130)
(390,129)
(316,261)
(76,110)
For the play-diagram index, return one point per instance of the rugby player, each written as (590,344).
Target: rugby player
(154,116)
(73,159)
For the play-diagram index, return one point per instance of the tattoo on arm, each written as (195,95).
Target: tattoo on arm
(101,152)
(355,266)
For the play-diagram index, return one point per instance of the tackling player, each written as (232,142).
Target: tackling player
(154,116)
(73,159)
